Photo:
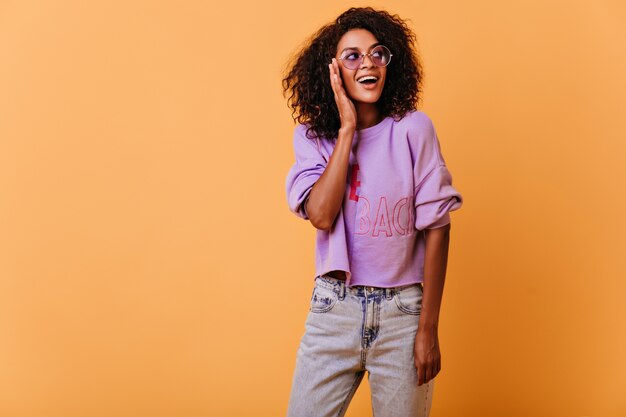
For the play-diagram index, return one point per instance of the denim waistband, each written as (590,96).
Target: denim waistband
(340,287)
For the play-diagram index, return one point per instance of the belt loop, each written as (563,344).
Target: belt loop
(342,290)
(388,293)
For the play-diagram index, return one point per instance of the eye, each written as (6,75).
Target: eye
(351,54)
(378,51)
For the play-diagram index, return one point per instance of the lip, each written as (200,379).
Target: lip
(369,86)
(368,74)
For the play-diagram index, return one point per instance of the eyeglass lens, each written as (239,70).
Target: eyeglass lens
(380,56)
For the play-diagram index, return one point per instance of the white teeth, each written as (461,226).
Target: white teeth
(367,77)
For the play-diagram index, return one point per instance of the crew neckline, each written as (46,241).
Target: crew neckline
(373,130)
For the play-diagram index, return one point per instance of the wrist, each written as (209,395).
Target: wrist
(428,327)
(347,130)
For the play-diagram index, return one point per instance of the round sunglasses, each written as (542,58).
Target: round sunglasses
(380,56)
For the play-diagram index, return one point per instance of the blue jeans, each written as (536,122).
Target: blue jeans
(350,330)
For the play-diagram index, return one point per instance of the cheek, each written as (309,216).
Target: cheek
(384,75)
(348,82)
(384,83)
(345,77)
(353,89)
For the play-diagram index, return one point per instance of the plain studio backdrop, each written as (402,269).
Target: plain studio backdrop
(149,265)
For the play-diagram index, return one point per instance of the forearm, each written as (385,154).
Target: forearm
(327,194)
(435,263)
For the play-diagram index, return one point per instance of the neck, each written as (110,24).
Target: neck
(367,115)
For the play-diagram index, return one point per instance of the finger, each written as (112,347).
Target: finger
(333,84)
(340,89)
(332,78)
(337,78)
(420,375)
(339,81)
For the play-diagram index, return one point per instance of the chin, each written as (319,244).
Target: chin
(366,97)
(368,100)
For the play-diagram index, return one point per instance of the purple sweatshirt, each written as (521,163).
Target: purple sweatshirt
(398,184)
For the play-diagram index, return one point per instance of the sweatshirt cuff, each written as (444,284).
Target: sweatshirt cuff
(441,222)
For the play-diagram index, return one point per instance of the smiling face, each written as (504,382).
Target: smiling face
(357,42)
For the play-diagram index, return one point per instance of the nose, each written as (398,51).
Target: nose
(367,57)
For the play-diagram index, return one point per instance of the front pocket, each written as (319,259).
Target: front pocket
(409,299)
(322,299)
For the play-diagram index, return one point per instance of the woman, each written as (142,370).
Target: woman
(370,177)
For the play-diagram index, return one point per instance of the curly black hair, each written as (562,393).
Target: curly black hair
(307,76)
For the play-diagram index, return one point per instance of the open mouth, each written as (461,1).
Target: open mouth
(368,80)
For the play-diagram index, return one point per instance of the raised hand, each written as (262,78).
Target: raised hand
(347,111)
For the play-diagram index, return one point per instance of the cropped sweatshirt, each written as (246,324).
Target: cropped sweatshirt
(397,186)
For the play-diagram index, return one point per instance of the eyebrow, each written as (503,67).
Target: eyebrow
(354,47)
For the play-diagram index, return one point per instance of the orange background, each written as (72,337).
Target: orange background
(149,265)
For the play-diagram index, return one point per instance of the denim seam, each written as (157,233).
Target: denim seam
(326,309)
(328,285)
(402,307)
(351,392)
(426,400)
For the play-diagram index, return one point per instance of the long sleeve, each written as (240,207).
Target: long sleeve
(435,197)
(309,166)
